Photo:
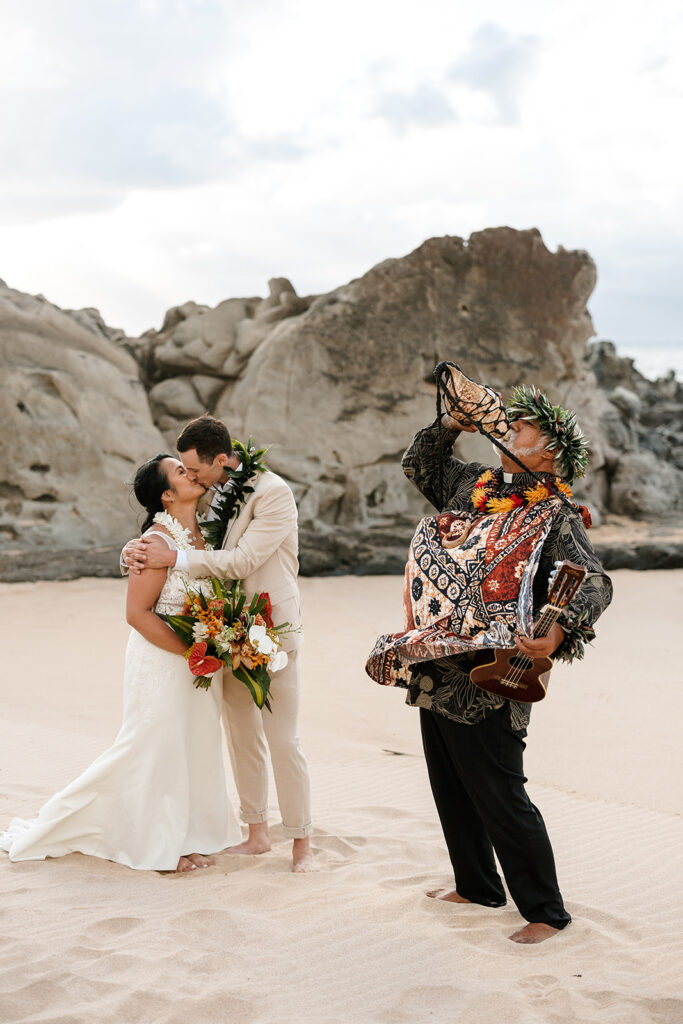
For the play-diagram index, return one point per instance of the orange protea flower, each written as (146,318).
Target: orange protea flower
(565,488)
(538,493)
(479,499)
(501,505)
(484,478)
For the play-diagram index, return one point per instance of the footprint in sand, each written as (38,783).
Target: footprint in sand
(112,926)
(344,845)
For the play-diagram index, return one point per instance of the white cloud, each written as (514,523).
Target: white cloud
(498,64)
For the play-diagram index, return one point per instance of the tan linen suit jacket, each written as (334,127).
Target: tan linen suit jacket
(261,548)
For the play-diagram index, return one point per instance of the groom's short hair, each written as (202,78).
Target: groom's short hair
(208,436)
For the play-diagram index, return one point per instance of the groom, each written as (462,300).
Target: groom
(260,547)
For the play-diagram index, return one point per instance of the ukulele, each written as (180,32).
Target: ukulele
(509,673)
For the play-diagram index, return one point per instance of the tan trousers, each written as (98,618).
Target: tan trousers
(248,730)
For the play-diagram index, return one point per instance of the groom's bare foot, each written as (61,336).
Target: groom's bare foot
(257,841)
(185,864)
(447,895)
(534,932)
(302,856)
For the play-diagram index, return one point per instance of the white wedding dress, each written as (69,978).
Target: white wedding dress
(159,792)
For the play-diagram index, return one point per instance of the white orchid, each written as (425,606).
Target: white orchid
(260,641)
(256,634)
(278,661)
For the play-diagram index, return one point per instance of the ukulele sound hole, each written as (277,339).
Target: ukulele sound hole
(521,661)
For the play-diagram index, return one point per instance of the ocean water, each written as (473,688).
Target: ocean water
(654,358)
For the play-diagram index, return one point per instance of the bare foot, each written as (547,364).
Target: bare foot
(534,932)
(249,846)
(258,841)
(185,864)
(447,895)
(200,861)
(303,860)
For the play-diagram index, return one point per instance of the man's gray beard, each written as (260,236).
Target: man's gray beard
(522,453)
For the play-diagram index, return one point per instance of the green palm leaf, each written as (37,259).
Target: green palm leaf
(257,682)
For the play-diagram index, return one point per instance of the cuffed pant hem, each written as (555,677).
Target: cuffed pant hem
(558,923)
(255,818)
(297,831)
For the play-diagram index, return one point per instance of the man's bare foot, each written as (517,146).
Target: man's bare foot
(185,864)
(534,932)
(302,856)
(257,841)
(200,861)
(447,895)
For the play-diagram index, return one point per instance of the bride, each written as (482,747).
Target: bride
(158,795)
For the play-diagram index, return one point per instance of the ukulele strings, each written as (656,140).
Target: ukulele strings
(524,661)
(548,617)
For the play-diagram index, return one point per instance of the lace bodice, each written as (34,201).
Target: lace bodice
(172,596)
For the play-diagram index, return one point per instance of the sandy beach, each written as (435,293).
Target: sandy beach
(249,942)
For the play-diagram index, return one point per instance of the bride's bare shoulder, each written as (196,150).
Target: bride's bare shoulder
(159,530)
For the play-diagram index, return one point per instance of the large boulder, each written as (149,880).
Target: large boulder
(77,423)
(340,388)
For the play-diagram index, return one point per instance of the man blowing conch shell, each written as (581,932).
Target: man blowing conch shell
(508,530)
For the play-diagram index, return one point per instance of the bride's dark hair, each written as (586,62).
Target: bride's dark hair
(150,483)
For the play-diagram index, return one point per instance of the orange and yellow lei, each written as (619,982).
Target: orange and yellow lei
(484,498)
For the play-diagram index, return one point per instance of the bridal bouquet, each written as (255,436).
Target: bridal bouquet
(223,630)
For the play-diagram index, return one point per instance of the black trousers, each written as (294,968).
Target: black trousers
(478,781)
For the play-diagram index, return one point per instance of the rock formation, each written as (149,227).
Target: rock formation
(338,384)
(642,436)
(76,423)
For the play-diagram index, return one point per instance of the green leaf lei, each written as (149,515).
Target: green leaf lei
(229,504)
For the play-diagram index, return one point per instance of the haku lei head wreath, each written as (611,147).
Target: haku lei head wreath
(559,425)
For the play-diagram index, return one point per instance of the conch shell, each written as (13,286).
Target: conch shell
(479,402)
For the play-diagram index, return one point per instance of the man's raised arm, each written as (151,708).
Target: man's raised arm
(429,462)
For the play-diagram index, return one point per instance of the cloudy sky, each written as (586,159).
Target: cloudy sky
(154,151)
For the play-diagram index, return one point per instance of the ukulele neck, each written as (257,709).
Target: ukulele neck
(550,613)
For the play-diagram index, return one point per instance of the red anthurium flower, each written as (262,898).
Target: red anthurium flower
(267,610)
(200,664)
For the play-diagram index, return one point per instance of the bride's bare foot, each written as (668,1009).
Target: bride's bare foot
(200,861)
(302,856)
(185,864)
(447,895)
(257,841)
(534,932)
